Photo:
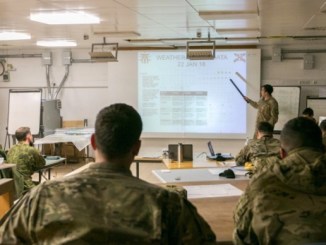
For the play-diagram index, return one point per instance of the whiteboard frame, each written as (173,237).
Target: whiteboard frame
(278,126)
(29,116)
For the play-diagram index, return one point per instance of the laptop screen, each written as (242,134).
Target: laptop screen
(210,147)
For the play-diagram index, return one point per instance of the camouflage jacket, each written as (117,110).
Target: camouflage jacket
(103,205)
(258,148)
(284,202)
(324,141)
(27,160)
(267,110)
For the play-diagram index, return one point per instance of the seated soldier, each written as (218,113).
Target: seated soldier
(27,159)
(105,204)
(265,145)
(284,202)
(309,113)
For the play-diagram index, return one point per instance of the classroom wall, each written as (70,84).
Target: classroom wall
(90,87)
(290,71)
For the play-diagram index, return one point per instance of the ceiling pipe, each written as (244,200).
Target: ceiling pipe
(87,61)
(63,81)
(21,56)
(303,51)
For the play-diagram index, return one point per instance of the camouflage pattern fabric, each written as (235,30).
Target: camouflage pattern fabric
(103,205)
(285,201)
(3,154)
(27,160)
(324,141)
(258,148)
(267,112)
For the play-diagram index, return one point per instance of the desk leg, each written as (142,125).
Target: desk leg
(49,174)
(137,169)
(39,176)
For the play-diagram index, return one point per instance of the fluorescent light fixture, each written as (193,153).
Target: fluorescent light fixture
(227,15)
(12,35)
(64,18)
(56,43)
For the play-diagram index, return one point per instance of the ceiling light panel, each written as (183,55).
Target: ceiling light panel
(64,17)
(12,35)
(56,43)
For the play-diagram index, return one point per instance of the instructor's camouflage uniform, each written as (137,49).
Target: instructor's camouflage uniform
(104,205)
(267,111)
(285,202)
(258,148)
(27,160)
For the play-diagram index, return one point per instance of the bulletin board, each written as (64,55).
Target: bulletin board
(288,99)
(24,110)
(318,104)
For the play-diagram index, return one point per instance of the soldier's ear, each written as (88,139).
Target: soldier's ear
(93,142)
(283,153)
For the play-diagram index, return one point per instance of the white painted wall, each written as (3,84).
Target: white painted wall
(91,86)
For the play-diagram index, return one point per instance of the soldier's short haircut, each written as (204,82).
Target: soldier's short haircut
(323,125)
(21,133)
(301,132)
(268,88)
(265,128)
(308,112)
(117,128)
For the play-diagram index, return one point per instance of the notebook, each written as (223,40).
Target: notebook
(217,156)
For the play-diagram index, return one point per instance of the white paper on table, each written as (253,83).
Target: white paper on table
(206,191)
(216,171)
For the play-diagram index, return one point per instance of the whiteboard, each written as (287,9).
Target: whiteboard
(24,110)
(318,104)
(288,99)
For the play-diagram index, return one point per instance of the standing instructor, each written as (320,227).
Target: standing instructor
(267,107)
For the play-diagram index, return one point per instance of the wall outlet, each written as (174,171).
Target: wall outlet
(6,76)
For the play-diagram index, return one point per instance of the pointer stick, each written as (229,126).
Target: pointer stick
(238,90)
(241,77)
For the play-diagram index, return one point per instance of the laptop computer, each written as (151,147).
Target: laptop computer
(217,156)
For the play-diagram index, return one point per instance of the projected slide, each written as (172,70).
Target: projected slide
(181,96)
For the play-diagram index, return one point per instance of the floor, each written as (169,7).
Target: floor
(145,170)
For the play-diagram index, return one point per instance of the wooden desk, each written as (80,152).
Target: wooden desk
(138,160)
(49,164)
(218,212)
(7,191)
(196,163)
(7,165)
